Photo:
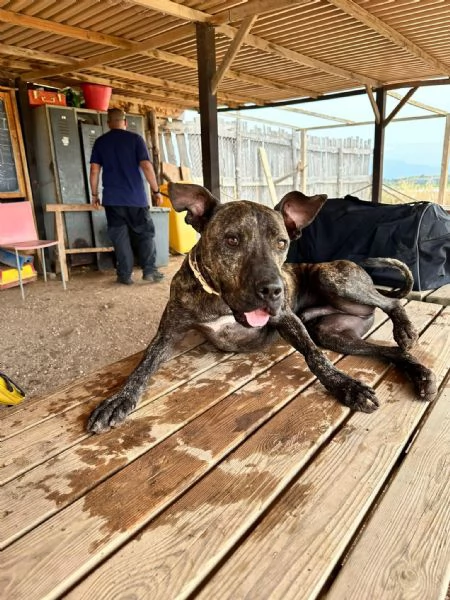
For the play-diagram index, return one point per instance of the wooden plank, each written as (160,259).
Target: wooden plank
(295,537)
(30,412)
(24,451)
(232,51)
(61,237)
(268,175)
(179,548)
(81,535)
(28,21)
(440,296)
(405,549)
(170,172)
(394,36)
(249,400)
(56,208)
(147,427)
(84,250)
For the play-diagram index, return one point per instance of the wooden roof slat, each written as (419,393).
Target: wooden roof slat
(391,34)
(63,30)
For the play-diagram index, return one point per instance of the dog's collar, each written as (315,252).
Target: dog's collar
(198,276)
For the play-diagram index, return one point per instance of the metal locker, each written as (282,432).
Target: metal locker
(88,135)
(72,190)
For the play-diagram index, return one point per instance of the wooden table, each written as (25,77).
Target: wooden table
(237,477)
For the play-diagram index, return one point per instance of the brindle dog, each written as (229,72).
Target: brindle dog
(235,288)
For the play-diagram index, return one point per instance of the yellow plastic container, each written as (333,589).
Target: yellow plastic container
(182,237)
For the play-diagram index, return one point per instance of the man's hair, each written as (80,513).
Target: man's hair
(115,115)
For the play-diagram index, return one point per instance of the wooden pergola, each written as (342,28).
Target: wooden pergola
(167,56)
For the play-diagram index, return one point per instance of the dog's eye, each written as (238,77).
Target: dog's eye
(232,240)
(281,244)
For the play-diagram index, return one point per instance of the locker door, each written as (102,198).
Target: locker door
(89,133)
(69,168)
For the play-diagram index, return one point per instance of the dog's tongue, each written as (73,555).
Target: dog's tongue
(257,318)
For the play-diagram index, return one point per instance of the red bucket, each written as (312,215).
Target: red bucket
(96,96)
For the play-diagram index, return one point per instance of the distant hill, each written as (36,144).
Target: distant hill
(398,169)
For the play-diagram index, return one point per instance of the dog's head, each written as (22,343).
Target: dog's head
(243,246)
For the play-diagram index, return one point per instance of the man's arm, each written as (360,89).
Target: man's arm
(147,169)
(94,176)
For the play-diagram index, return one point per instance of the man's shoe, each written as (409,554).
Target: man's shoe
(124,281)
(154,276)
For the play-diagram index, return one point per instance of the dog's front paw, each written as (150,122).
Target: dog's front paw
(110,413)
(358,396)
(425,383)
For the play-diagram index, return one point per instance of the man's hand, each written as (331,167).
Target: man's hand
(95,201)
(157,199)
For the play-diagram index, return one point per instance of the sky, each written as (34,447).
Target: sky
(417,143)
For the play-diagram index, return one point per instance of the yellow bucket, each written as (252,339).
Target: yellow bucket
(10,392)
(182,237)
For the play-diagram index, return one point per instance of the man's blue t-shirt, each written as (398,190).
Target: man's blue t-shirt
(119,153)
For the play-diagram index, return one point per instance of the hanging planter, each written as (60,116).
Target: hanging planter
(96,96)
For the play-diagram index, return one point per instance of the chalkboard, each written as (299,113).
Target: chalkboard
(8,173)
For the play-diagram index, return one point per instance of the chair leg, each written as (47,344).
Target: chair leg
(43,264)
(20,275)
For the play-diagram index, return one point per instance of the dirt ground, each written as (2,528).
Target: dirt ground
(56,336)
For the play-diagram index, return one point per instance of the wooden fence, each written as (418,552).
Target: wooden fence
(296,160)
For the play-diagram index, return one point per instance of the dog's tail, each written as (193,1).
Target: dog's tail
(396,264)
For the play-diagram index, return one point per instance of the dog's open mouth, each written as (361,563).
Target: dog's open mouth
(257,318)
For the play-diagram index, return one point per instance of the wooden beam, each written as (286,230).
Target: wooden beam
(174,9)
(292,90)
(254,7)
(268,175)
(206,56)
(373,103)
(29,53)
(297,57)
(232,51)
(7,16)
(443,180)
(303,160)
(432,109)
(402,103)
(158,95)
(310,113)
(388,32)
(378,149)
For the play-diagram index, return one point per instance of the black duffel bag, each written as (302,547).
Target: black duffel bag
(417,233)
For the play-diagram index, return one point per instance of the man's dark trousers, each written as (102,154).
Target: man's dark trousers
(130,226)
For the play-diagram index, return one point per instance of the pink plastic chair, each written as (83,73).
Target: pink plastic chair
(18,232)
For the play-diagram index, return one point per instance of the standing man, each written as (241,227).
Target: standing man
(122,155)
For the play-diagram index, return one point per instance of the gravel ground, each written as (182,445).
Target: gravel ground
(56,336)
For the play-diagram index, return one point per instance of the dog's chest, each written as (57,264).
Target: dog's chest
(228,335)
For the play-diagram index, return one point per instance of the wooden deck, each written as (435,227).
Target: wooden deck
(237,477)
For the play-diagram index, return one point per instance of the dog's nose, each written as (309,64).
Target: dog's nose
(269,291)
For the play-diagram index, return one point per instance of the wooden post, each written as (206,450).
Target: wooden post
(154,138)
(206,61)
(268,175)
(303,159)
(294,160)
(238,160)
(378,149)
(444,163)
(339,169)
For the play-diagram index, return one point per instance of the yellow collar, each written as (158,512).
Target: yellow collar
(199,277)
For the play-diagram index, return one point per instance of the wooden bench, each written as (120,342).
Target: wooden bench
(58,210)
(237,476)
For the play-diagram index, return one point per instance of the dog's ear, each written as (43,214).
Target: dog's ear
(196,200)
(299,211)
